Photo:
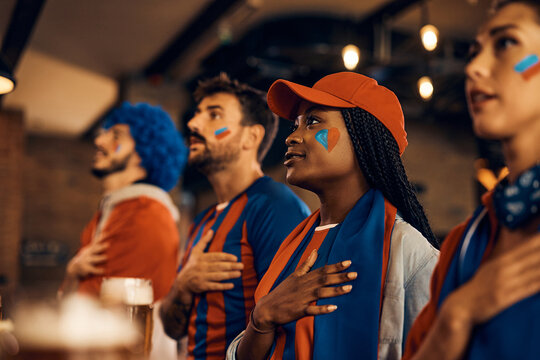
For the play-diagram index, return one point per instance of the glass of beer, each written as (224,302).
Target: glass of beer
(76,328)
(136,296)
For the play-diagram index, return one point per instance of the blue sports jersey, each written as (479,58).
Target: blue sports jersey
(251,227)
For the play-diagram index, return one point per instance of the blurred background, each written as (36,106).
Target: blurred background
(75,60)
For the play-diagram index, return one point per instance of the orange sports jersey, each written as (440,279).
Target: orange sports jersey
(251,227)
(143,239)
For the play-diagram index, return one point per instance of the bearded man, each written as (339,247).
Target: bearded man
(139,158)
(231,243)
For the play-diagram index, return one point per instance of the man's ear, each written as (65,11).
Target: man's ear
(253,136)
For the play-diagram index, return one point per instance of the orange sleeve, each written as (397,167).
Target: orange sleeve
(426,318)
(143,240)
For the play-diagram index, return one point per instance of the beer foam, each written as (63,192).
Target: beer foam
(129,291)
(79,323)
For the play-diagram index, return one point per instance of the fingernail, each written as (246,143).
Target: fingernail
(331,307)
(346,263)
(347,287)
(352,275)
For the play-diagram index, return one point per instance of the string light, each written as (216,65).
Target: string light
(430,37)
(425,87)
(351,56)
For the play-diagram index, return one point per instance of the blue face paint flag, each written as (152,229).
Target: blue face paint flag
(221,133)
(526,63)
(322,137)
(528,67)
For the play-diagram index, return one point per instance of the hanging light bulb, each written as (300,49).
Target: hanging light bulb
(430,37)
(7,81)
(351,56)
(425,87)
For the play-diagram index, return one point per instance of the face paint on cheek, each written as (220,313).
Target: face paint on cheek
(221,133)
(528,66)
(328,138)
(118,148)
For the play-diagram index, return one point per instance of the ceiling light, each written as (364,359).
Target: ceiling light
(430,36)
(7,81)
(351,56)
(425,87)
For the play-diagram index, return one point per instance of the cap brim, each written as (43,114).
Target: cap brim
(285,96)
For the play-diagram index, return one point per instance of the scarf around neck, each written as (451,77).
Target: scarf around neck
(352,330)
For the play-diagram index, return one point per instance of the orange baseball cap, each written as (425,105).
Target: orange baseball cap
(342,90)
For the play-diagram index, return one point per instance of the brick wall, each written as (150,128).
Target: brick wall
(60,197)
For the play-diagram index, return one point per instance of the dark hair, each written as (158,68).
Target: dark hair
(377,154)
(499,4)
(252,101)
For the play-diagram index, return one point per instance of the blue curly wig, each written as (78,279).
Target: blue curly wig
(157,141)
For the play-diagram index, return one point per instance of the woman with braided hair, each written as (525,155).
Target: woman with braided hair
(351,278)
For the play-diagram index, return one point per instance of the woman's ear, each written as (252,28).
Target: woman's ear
(253,136)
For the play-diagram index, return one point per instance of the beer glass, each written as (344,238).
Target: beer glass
(136,296)
(77,328)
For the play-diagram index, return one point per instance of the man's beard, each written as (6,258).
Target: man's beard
(210,163)
(116,166)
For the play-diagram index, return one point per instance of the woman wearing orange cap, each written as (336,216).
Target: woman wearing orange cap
(485,300)
(361,263)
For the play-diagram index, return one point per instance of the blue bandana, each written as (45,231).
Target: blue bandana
(519,202)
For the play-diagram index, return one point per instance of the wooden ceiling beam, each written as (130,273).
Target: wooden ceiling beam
(189,35)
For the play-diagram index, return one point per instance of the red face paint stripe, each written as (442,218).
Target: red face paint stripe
(530,72)
(223,134)
(333,137)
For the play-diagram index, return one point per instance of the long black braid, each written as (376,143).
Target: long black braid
(377,153)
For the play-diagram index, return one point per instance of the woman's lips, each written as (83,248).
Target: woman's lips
(292,156)
(479,98)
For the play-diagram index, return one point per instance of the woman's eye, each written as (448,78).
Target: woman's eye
(311,120)
(293,127)
(504,42)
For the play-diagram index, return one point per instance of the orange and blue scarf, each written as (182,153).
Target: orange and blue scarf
(352,330)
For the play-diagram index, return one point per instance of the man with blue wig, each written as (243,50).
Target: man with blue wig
(139,157)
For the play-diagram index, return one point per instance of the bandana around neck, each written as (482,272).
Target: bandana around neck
(513,333)
(517,203)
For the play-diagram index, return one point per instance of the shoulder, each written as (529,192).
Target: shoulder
(269,193)
(411,250)
(200,216)
(141,209)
